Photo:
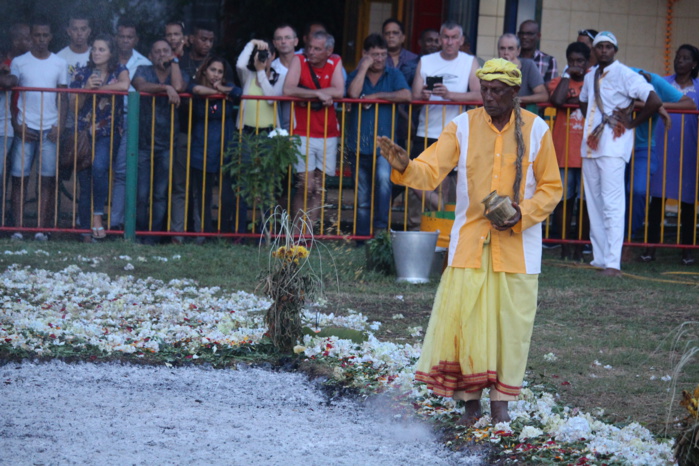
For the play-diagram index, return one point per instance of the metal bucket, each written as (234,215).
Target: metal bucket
(413,252)
(440,254)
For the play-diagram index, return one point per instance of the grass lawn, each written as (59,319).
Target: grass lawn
(613,338)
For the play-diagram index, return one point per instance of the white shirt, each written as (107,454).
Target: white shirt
(284,107)
(455,74)
(50,72)
(134,62)
(74,60)
(619,86)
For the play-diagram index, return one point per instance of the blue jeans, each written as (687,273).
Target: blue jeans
(380,183)
(574,183)
(5,150)
(94,182)
(23,156)
(640,183)
(116,216)
(151,211)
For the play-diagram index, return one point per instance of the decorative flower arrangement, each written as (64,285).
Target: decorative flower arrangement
(687,446)
(289,281)
(292,254)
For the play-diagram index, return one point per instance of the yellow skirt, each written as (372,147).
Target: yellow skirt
(479,331)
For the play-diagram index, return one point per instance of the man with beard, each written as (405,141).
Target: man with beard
(428,41)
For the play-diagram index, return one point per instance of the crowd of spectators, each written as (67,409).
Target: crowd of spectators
(179,167)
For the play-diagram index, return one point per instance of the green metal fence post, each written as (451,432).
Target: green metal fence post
(131,166)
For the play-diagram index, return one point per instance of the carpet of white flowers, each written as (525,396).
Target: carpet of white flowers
(55,313)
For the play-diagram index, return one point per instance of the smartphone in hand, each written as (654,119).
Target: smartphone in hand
(432,80)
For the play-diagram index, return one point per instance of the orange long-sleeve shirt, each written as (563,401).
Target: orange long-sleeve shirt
(485,158)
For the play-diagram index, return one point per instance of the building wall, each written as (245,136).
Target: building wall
(639,26)
(490,26)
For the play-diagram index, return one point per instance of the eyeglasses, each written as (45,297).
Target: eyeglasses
(585,32)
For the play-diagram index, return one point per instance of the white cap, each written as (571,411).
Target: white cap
(605,36)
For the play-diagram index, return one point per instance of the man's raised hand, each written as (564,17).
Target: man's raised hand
(397,156)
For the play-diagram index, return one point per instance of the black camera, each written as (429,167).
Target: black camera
(260,55)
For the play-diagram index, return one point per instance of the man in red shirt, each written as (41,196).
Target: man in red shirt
(316,75)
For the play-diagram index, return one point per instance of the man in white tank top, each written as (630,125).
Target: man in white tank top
(447,75)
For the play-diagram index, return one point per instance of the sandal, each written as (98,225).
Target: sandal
(98,233)
(647,256)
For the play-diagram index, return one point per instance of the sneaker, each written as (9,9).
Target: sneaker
(587,249)
(17,236)
(41,236)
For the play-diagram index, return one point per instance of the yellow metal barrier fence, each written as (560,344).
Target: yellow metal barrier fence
(184,192)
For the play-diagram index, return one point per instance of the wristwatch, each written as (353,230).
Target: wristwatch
(176,60)
(565,75)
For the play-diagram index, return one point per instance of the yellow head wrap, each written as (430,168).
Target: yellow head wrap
(499,69)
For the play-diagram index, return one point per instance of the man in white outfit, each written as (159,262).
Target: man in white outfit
(449,75)
(606,99)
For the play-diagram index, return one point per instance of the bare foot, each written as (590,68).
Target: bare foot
(609,272)
(472,414)
(498,412)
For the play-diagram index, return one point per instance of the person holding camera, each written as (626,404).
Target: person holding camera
(316,75)
(449,75)
(255,71)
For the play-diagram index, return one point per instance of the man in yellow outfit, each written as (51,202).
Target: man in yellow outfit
(481,324)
